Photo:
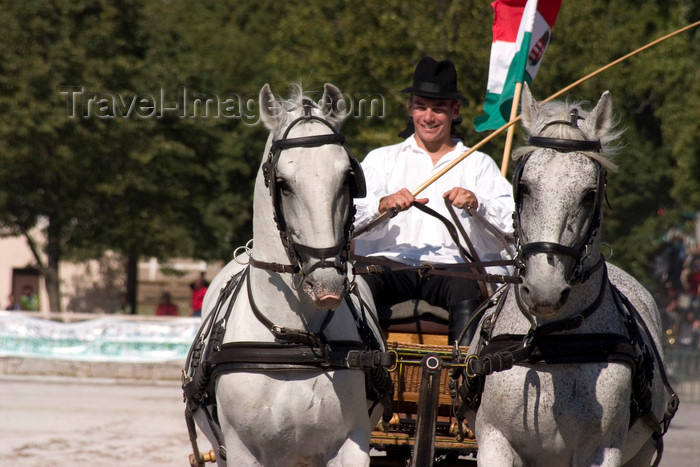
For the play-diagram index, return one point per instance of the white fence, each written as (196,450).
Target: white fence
(106,338)
(683,368)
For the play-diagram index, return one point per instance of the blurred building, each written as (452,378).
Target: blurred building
(94,286)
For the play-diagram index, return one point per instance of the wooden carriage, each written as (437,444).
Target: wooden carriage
(423,427)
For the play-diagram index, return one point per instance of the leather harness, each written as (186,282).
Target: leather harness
(541,344)
(293,349)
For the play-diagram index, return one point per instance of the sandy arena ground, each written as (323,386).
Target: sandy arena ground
(48,421)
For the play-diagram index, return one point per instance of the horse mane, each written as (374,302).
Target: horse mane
(292,108)
(560,110)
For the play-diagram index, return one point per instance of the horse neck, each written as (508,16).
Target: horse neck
(271,289)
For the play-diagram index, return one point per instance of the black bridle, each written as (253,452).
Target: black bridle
(355,182)
(581,251)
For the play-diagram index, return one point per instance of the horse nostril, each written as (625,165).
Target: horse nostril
(564,295)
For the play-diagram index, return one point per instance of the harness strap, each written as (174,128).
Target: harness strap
(297,350)
(572,322)
(272,355)
(274,267)
(466,255)
(564,145)
(674,401)
(195,384)
(578,348)
(308,141)
(377,264)
(285,334)
(548,248)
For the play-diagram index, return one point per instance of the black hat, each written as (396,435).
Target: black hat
(435,80)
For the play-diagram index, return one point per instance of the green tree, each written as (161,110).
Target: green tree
(181,185)
(655,97)
(52,164)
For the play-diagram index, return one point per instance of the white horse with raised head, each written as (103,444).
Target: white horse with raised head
(566,369)
(282,380)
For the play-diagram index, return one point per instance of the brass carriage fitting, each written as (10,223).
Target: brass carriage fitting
(206,457)
(386,427)
(468,433)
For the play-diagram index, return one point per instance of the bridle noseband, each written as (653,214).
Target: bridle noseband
(582,251)
(356,182)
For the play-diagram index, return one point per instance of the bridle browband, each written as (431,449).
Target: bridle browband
(356,182)
(582,251)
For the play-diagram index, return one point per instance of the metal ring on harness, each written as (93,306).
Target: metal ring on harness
(299,275)
(248,252)
(466,364)
(396,360)
(425,267)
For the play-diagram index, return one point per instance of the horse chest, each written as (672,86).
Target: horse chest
(557,401)
(302,403)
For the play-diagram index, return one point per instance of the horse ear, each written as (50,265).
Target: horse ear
(529,109)
(333,104)
(600,118)
(269,108)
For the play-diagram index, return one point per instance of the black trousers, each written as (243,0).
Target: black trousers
(391,287)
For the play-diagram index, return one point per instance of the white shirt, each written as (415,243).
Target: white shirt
(413,237)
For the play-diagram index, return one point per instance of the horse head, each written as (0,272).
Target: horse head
(304,194)
(559,187)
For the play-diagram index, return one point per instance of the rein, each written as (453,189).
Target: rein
(375,265)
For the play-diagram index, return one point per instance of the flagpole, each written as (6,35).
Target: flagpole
(511,129)
(512,121)
(621,59)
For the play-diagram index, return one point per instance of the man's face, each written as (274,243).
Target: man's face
(432,118)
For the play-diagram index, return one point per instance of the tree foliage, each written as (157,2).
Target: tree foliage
(172,184)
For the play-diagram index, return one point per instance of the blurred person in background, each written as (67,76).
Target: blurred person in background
(199,288)
(29,300)
(166,307)
(12,304)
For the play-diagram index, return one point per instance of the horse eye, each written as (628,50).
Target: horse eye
(283,186)
(590,196)
(524,190)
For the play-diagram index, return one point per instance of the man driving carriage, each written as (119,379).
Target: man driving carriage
(413,238)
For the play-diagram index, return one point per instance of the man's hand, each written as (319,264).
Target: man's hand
(399,201)
(461,198)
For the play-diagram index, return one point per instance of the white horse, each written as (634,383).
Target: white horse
(291,392)
(566,373)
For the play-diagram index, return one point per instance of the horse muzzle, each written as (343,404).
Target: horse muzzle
(545,293)
(325,287)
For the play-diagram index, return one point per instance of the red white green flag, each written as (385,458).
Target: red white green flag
(521,32)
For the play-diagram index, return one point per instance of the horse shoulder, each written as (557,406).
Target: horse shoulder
(639,296)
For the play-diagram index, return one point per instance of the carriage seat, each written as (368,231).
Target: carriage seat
(413,316)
